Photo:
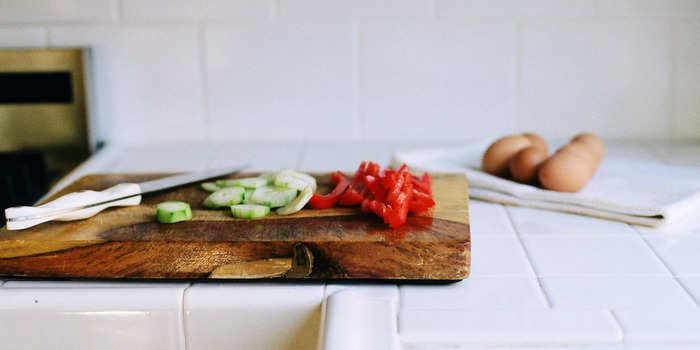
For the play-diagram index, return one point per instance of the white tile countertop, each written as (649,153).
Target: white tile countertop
(539,280)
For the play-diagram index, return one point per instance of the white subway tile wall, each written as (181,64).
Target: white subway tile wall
(147,82)
(22,37)
(371,69)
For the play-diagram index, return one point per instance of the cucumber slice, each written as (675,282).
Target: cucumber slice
(225,197)
(298,203)
(248,196)
(210,187)
(270,177)
(248,182)
(273,196)
(249,211)
(293,179)
(171,212)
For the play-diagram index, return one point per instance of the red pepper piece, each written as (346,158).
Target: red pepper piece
(320,201)
(356,181)
(335,178)
(420,185)
(350,198)
(375,187)
(373,169)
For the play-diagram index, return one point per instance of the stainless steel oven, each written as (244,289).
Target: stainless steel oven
(43,119)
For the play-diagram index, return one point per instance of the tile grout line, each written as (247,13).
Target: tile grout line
(536,276)
(619,324)
(668,269)
(518,73)
(274,9)
(357,110)
(302,154)
(183,313)
(202,49)
(669,82)
(596,9)
(45,36)
(119,11)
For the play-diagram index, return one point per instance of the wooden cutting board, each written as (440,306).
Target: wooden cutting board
(340,243)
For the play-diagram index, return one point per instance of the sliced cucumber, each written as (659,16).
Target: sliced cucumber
(249,211)
(293,179)
(248,196)
(225,197)
(171,212)
(270,177)
(248,182)
(298,203)
(273,196)
(210,187)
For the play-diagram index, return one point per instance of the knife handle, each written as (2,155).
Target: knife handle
(73,206)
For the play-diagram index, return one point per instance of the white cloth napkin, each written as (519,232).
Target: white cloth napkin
(639,192)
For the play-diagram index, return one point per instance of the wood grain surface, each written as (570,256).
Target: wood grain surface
(340,243)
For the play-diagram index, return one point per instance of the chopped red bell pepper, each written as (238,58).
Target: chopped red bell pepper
(390,194)
(321,201)
(375,187)
(335,178)
(350,198)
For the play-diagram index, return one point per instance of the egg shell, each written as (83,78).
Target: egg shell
(524,165)
(566,171)
(537,141)
(496,158)
(593,141)
(582,149)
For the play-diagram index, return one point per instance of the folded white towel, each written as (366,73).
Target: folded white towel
(646,193)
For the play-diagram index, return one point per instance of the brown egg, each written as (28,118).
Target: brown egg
(582,149)
(593,141)
(523,166)
(537,140)
(499,153)
(566,171)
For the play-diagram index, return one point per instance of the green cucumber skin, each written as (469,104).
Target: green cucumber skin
(210,187)
(225,197)
(273,197)
(249,211)
(166,216)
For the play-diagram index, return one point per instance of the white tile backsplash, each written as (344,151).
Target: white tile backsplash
(191,10)
(281,80)
(14,37)
(516,8)
(654,8)
(445,70)
(356,8)
(438,79)
(606,77)
(63,11)
(685,79)
(146,80)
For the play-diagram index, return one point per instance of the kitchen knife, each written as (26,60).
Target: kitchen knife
(84,204)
